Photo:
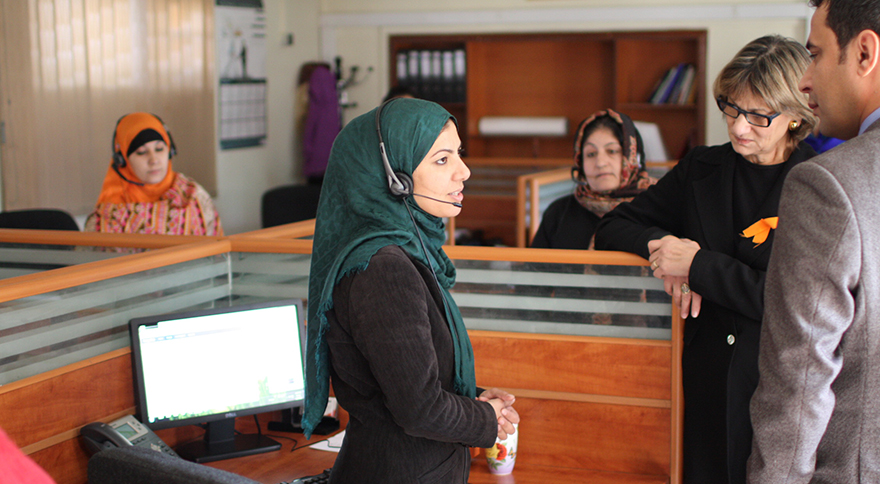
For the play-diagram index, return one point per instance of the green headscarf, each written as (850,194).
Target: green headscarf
(358,215)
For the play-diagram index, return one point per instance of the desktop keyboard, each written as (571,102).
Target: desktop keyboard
(322,478)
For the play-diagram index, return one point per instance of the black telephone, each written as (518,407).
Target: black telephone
(125,431)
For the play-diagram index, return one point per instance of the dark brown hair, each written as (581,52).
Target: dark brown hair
(846,18)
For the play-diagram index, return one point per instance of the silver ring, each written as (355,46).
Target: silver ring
(685,289)
(655,265)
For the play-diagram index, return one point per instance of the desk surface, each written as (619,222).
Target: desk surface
(287,464)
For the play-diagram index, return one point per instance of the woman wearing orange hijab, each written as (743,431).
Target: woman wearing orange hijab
(142,194)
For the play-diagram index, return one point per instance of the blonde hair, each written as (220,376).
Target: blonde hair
(771,68)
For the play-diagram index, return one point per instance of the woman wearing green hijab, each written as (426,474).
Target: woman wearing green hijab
(382,323)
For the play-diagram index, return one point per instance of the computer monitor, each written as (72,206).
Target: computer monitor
(213,365)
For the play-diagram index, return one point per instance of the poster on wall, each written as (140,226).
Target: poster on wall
(241,65)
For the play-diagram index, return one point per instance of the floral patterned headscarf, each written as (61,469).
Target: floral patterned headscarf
(634,177)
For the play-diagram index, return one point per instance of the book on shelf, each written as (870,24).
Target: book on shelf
(687,85)
(459,63)
(435,75)
(448,74)
(413,72)
(675,86)
(663,86)
(426,90)
(402,70)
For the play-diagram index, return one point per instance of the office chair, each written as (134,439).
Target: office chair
(289,203)
(139,465)
(45,219)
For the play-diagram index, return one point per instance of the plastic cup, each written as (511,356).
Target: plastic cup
(502,456)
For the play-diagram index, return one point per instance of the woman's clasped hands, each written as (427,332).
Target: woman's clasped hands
(506,415)
(671,259)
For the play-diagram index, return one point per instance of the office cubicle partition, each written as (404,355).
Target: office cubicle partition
(66,298)
(586,340)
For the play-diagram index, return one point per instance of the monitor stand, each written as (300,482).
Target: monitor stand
(221,442)
(291,421)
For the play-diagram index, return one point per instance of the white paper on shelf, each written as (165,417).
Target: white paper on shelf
(655,150)
(523,126)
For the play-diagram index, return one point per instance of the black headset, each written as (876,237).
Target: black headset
(119,159)
(400,184)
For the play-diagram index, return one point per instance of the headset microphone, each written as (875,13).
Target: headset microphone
(456,204)
(116,168)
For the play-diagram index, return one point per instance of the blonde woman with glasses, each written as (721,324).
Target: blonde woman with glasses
(707,228)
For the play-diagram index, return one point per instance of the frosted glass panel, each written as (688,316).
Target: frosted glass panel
(50,330)
(20,259)
(270,276)
(575,299)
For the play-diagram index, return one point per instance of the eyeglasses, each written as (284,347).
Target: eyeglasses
(755,119)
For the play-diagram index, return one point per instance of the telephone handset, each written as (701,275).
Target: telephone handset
(125,431)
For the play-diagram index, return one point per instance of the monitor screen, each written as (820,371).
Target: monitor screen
(210,366)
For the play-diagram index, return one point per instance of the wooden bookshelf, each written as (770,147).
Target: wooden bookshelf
(562,74)
(571,75)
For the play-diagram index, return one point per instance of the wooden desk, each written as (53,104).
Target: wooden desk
(534,474)
(286,465)
(282,465)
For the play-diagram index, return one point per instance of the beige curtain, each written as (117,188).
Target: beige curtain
(70,68)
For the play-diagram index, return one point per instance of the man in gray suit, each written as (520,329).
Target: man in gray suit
(816,412)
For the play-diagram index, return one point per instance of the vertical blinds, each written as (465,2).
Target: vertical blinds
(73,67)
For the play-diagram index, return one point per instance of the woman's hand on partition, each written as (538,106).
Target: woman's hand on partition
(671,256)
(671,259)
(687,300)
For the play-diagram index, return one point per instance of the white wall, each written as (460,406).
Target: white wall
(358,31)
(244,174)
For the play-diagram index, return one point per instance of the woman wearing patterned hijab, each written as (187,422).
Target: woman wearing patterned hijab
(382,323)
(609,168)
(142,193)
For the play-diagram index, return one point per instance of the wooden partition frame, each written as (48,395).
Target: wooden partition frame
(528,188)
(99,389)
(496,213)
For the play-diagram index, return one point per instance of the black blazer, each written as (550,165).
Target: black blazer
(392,368)
(719,363)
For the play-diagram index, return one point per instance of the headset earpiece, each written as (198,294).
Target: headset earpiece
(405,188)
(400,184)
(118,160)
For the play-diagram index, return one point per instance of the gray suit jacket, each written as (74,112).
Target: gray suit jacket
(816,412)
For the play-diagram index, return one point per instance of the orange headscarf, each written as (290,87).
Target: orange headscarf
(118,190)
